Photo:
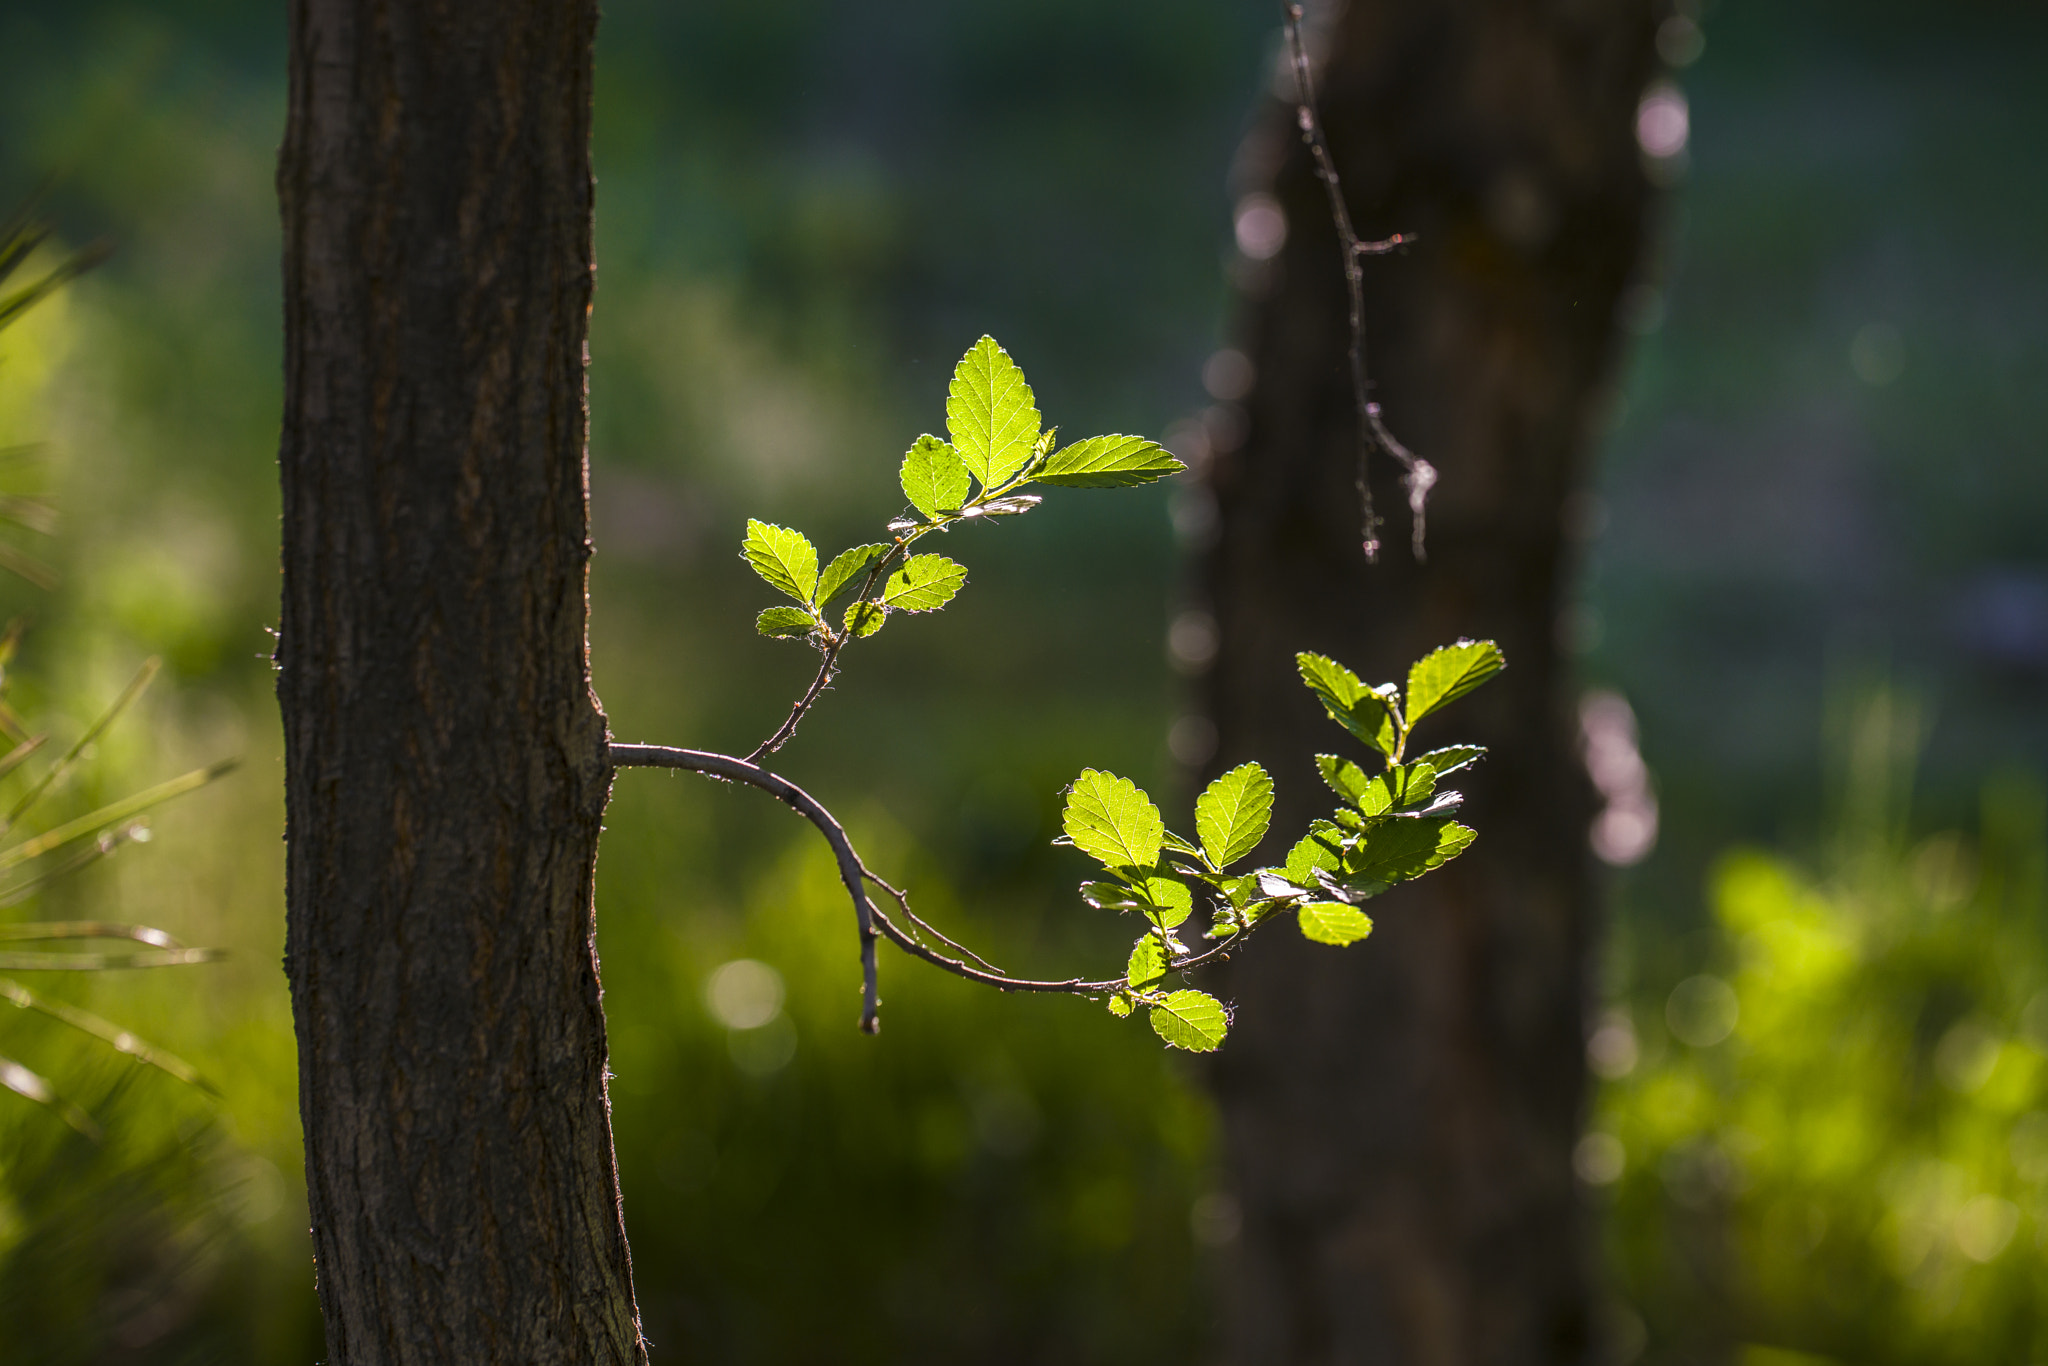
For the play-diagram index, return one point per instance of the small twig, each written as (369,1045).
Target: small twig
(1420,475)
(828,663)
(854,873)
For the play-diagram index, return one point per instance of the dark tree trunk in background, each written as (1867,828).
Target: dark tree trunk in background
(1399,1117)
(445,762)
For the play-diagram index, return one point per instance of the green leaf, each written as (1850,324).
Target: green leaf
(1402,785)
(864,617)
(1395,851)
(991,413)
(1109,896)
(1233,812)
(784,623)
(1167,900)
(1108,462)
(1345,778)
(1120,1005)
(1178,845)
(847,566)
(783,557)
(1451,758)
(925,583)
(1193,1020)
(1259,910)
(1371,714)
(934,477)
(1332,922)
(1317,849)
(1446,674)
(1112,820)
(1147,965)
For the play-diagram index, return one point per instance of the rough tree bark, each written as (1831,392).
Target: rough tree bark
(445,760)
(1399,1119)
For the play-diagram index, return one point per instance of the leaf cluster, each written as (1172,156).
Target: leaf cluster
(1393,822)
(1390,826)
(998,447)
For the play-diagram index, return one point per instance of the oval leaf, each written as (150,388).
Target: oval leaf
(1193,1020)
(1395,851)
(1147,965)
(1451,758)
(1372,714)
(1232,814)
(925,583)
(1112,820)
(934,477)
(785,558)
(1166,900)
(785,623)
(847,566)
(1108,462)
(991,413)
(864,617)
(1332,922)
(1345,778)
(1447,674)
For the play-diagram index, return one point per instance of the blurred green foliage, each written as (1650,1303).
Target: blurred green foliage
(1832,1146)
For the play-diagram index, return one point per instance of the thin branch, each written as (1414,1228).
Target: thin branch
(1420,476)
(870,918)
(851,871)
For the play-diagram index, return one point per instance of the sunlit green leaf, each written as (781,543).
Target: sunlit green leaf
(864,617)
(1319,848)
(1193,1020)
(1120,1005)
(782,623)
(1110,819)
(1147,964)
(1451,758)
(1108,462)
(1233,812)
(785,558)
(991,414)
(1345,778)
(1402,785)
(846,568)
(1446,674)
(1395,851)
(925,583)
(1109,896)
(1332,922)
(1167,900)
(934,477)
(1368,713)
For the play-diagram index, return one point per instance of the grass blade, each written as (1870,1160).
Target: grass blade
(112,814)
(23,1082)
(107,1032)
(93,732)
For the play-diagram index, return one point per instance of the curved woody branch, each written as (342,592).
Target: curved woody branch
(870,919)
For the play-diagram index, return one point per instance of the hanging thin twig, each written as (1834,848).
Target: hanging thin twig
(1419,475)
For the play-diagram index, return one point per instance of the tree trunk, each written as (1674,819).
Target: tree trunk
(1399,1117)
(445,760)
